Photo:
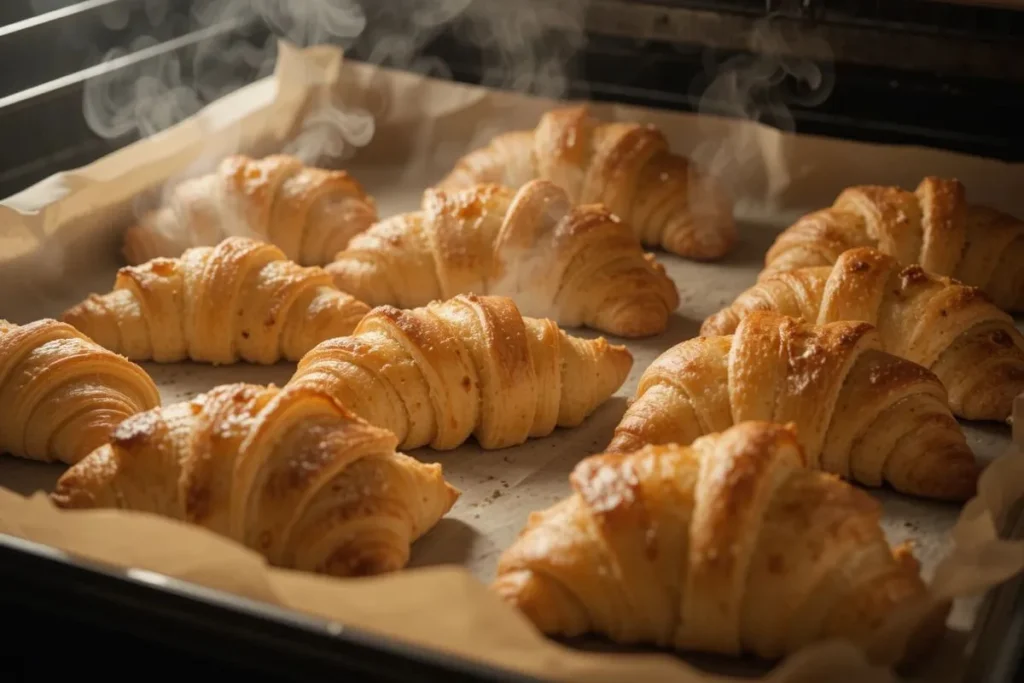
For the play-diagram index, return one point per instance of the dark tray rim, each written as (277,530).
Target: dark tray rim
(215,622)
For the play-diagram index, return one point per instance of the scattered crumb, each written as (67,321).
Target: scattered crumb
(496,494)
(504,484)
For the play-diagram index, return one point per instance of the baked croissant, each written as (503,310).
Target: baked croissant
(467,366)
(240,300)
(628,167)
(727,546)
(309,213)
(289,473)
(933,226)
(860,412)
(954,330)
(576,265)
(61,394)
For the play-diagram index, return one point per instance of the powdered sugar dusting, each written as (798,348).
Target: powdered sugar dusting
(609,488)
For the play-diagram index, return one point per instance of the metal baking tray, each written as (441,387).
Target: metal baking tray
(101,614)
(99,603)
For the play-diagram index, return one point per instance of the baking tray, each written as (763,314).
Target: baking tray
(184,625)
(499,487)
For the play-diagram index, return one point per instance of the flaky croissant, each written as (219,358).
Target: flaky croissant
(290,473)
(860,412)
(467,366)
(727,546)
(576,265)
(628,167)
(61,394)
(933,227)
(309,213)
(952,329)
(240,300)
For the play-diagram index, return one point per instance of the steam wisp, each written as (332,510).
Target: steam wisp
(747,87)
(528,47)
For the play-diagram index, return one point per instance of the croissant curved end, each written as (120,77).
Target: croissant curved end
(542,601)
(720,324)
(625,442)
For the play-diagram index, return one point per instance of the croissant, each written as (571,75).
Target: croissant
(240,300)
(628,167)
(860,413)
(467,366)
(933,226)
(728,546)
(289,473)
(61,394)
(954,330)
(576,265)
(309,213)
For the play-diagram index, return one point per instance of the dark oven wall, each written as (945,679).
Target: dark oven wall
(924,72)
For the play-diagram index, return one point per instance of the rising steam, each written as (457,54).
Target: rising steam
(142,97)
(145,96)
(761,87)
(526,51)
(150,95)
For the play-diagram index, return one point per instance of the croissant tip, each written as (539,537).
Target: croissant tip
(952,486)
(59,500)
(537,599)
(454,494)
(624,442)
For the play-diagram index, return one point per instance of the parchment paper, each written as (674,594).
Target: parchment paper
(441,601)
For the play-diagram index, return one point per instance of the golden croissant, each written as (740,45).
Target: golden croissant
(952,329)
(728,546)
(860,412)
(240,300)
(289,473)
(467,366)
(628,167)
(309,213)
(933,226)
(576,265)
(61,394)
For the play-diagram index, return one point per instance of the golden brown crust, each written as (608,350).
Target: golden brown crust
(309,213)
(954,330)
(241,300)
(861,413)
(575,265)
(628,167)
(728,546)
(933,227)
(289,473)
(61,394)
(471,365)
